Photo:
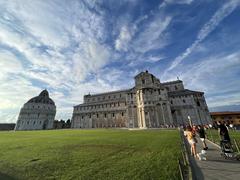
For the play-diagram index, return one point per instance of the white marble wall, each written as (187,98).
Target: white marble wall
(36,116)
(146,105)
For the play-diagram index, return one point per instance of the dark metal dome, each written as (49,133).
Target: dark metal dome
(42,98)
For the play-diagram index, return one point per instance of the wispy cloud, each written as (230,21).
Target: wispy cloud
(152,37)
(215,76)
(219,15)
(124,38)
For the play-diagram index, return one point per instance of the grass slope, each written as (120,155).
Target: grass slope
(90,154)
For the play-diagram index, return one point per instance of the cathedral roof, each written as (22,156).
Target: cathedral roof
(43,98)
(184,92)
(172,82)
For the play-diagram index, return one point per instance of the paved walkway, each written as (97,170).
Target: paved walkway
(215,167)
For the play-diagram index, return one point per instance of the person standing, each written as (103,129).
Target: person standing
(202,136)
(192,140)
(223,131)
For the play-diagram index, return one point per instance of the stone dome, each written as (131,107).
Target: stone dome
(43,98)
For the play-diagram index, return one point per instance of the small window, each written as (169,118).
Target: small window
(184,101)
(105,115)
(113,114)
(122,113)
(97,115)
(143,81)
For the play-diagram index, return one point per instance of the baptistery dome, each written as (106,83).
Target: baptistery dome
(43,98)
(37,113)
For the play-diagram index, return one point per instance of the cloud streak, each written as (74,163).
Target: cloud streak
(219,15)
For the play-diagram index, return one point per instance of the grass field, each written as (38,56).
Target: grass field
(90,154)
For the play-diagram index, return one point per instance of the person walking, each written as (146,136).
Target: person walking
(191,140)
(223,131)
(202,135)
(224,135)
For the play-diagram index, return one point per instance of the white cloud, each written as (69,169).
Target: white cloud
(61,43)
(124,38)
(9,64)
(179,1)
(219,15)
(152,58)
(215,76)
(151,38)
(16,91)
(169,2)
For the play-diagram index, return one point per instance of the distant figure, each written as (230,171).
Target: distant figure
(223,131)
(202,134)
(191,139)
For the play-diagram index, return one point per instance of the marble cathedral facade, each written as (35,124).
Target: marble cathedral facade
(149,104)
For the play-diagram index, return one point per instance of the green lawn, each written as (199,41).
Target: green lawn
(90,154)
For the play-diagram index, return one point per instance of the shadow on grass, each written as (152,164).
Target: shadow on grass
(6,177)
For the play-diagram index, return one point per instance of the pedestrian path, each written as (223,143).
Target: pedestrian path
(215,167)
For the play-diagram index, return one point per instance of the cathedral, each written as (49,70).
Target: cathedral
(149,104)
(38,113)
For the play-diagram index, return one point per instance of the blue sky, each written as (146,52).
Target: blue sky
(76,47)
